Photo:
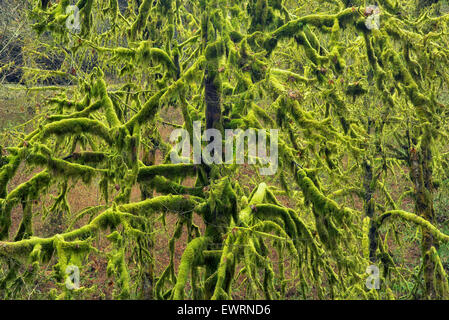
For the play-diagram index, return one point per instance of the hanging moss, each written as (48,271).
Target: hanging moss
(85,12)
(237,67)
(145,53)
(106,102)
(27,191)
(214,50)
(355,89)
(415,219)
(8,171)
(80,125)
(165,186)
(191,256)
(64,168)
(235,36)
(141,20)
(177,204)
(267,211)
(117,266)
(147,112)
(166,170)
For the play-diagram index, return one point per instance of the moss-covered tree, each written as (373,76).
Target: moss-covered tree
(357,92)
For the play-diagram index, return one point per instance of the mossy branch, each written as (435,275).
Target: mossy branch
(411,217)
(77,126)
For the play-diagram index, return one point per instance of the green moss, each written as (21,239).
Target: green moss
(87,157)
(235,36)
(26,191)
(411,217)
(145,53)
(166,170)
(147,112)
(86,17)
(80,114)
(192,255)
(8,171)
(76,126)
(63,168)
(226,264)
(165,186)
(117,266)
(171,203)
(31,188)
(106,103)
(214,50)
(269,211)
(142,18)
(356,89)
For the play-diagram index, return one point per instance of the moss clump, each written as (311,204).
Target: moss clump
(76,126)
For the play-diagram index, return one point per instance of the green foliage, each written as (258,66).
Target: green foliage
(355,106)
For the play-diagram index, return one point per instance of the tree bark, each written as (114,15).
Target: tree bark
(421,174)
(369,206)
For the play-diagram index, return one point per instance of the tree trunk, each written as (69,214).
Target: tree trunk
(146,192)
(421,174)
(369,206)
